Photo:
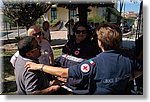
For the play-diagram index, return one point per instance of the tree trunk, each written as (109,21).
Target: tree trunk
(18,29)
(7,31)
(82,9)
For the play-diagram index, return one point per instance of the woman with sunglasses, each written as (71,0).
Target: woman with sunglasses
(81,46)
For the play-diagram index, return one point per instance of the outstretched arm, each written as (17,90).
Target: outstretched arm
(57,71)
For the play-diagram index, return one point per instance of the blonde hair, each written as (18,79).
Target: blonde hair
(33,29)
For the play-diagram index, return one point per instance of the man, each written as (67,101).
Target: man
(108,72)
(30,82)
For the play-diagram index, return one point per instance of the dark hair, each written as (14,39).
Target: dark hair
(110,36)
(45,23)
(71,20)
(79,24)
(25,45)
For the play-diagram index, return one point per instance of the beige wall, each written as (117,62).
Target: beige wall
(62,14)
(49,14)
(93,11)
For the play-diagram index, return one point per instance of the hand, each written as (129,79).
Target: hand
(32,66)
(62,79)
(57,82)
(54,88)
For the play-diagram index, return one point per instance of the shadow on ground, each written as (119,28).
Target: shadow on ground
(58,42)
(9,87)
(4,33)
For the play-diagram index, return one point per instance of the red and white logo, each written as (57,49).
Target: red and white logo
(85,68)
(76,52)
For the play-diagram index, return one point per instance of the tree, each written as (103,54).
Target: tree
(25,13)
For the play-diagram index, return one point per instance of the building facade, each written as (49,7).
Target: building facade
(64,14)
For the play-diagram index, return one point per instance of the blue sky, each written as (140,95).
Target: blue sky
(130,5)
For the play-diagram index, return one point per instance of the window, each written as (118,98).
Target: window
(73,13)
(53,14)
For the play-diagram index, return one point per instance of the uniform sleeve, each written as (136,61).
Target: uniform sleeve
(83,70)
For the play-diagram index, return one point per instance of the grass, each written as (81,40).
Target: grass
(8,77)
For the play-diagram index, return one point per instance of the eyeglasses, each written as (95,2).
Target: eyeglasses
(79,31)
(37,34)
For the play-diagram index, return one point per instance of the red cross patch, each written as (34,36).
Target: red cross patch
(76,52)
(85,68)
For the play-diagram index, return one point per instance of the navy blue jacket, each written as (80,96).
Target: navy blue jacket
(107,73)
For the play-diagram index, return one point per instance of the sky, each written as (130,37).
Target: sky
(130,5)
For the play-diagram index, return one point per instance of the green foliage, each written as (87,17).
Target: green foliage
(18,38)
(25,13)
(57,52)
(113,11)
(54,23)
(9,20)
(39,22)
(96,19)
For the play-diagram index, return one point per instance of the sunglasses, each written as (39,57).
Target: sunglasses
(37,34)
(80,31)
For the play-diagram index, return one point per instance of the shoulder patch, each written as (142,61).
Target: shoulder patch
(85,68)
(91,62)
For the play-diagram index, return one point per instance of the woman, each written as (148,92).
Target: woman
(46,31)
(81,46)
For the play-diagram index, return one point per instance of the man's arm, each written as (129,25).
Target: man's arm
(57,71)
(48,90)
(51,58)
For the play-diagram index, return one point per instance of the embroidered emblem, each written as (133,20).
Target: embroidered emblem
(85,68)
(76,52)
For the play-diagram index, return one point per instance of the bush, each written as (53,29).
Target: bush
(54,23)
(18,38)
(96,19)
